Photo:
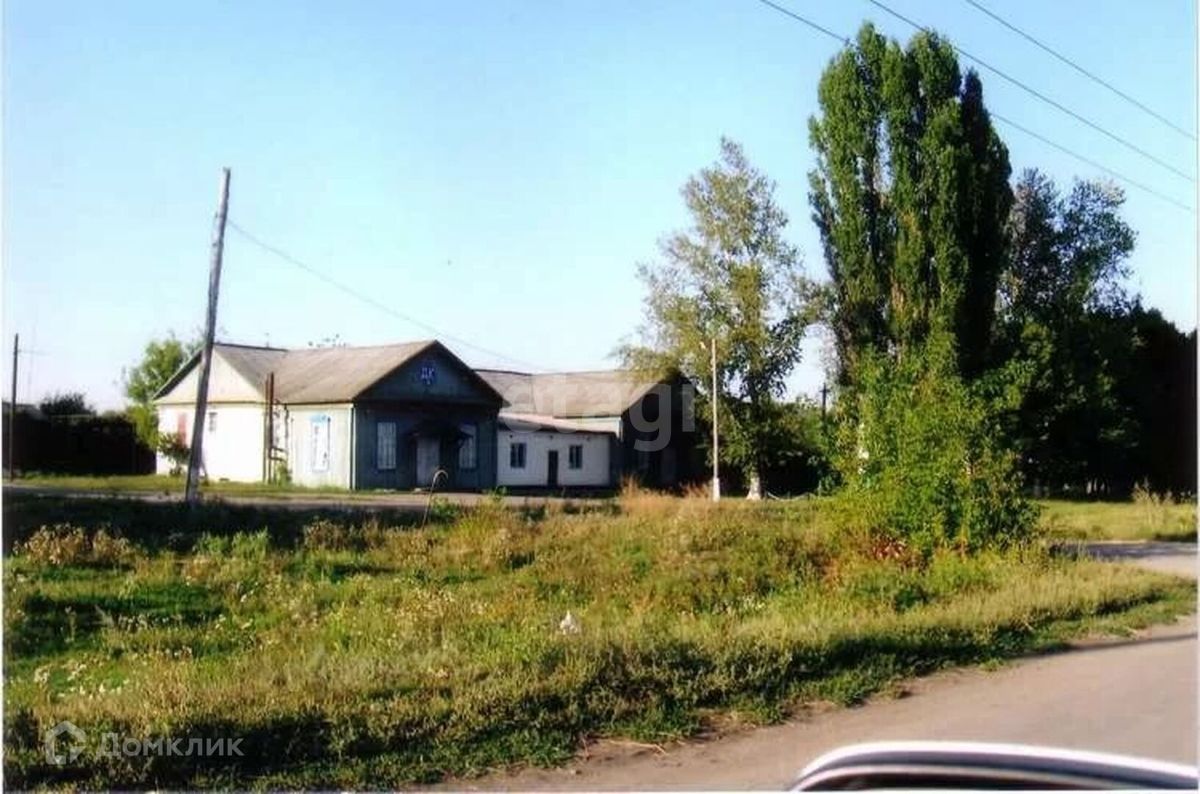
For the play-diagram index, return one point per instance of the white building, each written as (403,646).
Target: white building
(394,416)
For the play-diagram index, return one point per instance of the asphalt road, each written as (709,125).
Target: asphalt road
(1136,696)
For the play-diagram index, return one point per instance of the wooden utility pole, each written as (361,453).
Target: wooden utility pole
(196,454)
(269,429)
(716,446)
(824,395)
(12,409)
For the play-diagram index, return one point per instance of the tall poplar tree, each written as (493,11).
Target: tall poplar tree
(910,195)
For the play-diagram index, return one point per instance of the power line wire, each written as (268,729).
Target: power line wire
(1085,72)
(1038,94)
(806,21)
(1090,162)
(1111,172)
(286,257)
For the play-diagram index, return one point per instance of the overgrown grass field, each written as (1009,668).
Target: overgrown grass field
(1145,517)
(348,652)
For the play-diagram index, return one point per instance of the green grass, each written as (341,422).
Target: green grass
(161,483)
(1146,518)
(172,525)
(349,653)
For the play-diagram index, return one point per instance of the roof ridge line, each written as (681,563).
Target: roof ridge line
(589,372)
(245,346)
(413,342)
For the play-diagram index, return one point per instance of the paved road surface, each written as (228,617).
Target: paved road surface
(1176,558)
(1135,696)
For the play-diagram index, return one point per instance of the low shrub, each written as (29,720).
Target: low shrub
(326,534)
(64,544)
(172,447)
(921,458)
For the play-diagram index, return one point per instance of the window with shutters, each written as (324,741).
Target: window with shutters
(385,446)
(575,456)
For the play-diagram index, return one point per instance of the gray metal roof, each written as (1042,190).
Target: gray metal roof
(341,374)
(252,363)
(517,421)
(515,387)
(338,374)
(568,394)
(315,375)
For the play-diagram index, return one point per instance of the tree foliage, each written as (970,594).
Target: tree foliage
(732,277)
(1157,382)
(910,196)
(172,447)
(799,453)
(1065,319)
(911,199)
(1068,252)
(160,360)
(66,404)
(922,459)
(1111,399)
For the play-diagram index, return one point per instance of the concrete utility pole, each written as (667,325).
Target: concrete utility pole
(196,454)
(716,447)
(12,409)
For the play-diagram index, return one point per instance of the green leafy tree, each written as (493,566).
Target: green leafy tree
(1157,383)
(923,462)
(1066,318)
(731,277)
(66,404)
(911,199)
(799,451)
(160,360)
(172,447)
(910,196)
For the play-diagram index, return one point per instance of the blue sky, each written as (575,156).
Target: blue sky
(496,170)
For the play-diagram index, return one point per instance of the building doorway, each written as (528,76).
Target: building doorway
(552,469)
(429,459)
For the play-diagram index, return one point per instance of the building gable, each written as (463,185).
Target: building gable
(433,374)
(227,383)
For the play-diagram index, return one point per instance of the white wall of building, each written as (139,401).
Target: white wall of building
(594,471)
(319,431)
(233,439)
(225,384)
